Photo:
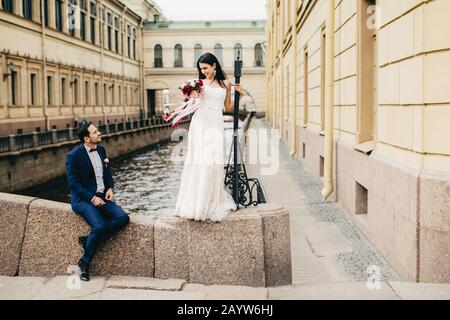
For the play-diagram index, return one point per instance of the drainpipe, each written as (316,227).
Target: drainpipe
(44,69)
(281,87)
(329,103)
(294,95)
(124,37)
(141,65)
(101,40)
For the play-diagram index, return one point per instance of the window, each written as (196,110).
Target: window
(82,25)
(134,44)
(93,17)
(258,55)
(8,5)
(120,96)
(238,51)
(75,92)
(105,96)
(97,102)
(58,15)
(113,102)
(109,31)
(116,34)
(27,9)
(33,88)
(83,14)
(218,52)
(158,56)
(129,41)
(46,12)
(71,12)
(49,90)
(86,93)
(178,63)
(63,91)
(197,52)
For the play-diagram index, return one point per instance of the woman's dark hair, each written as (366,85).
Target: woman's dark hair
(83,130)
(210,59)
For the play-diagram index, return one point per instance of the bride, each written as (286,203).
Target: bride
(202,193)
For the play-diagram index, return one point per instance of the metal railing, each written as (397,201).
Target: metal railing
(4,144)
(45,138)
(16,142)
(62,135)
(23,141)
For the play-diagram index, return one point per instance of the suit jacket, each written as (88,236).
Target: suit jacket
(81,176)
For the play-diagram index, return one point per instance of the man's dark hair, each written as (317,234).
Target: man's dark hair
(83,130)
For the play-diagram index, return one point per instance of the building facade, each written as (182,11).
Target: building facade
(65,60)
(171,51)
(360,90)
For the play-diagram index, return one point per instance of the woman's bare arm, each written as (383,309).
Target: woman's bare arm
(228,107)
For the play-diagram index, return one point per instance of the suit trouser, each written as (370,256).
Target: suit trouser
(101,228)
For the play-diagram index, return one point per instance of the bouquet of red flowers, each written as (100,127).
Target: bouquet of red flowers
(192,91)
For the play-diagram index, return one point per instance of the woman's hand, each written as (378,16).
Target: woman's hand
(194,94)
(238,88)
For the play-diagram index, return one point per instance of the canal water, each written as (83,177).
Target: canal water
(146,181)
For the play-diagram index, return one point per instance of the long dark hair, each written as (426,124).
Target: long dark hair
(210,59)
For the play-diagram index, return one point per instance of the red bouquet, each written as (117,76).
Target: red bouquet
(190,86)
(192,91)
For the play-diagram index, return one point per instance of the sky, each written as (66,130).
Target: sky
(213,9)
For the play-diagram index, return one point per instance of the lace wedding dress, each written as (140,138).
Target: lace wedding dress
(202,193)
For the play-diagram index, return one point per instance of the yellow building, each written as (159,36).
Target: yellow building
(80,59)
(172,49)
(360,90)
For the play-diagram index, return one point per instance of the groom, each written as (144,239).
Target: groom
(91,192)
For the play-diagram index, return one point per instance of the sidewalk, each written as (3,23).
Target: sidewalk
(330,258)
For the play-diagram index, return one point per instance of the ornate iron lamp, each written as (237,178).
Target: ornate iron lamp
(246,191)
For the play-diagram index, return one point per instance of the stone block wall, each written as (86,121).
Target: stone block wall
(250,247)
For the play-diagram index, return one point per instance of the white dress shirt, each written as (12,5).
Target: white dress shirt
(98,168)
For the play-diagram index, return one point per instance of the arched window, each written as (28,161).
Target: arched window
(238,50)
(197,52)
(178,59)
(158,56)
(218,52)
(258,55)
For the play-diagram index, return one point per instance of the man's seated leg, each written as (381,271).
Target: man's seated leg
(98,225)
(118,218)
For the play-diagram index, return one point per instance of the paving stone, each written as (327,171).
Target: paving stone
(421,291)
(332,291)
(133,294)
(20,288)
(70,287)
(125,282)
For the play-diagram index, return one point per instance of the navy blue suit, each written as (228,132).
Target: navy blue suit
(104,220)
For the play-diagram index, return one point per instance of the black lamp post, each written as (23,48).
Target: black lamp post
(242,188)
(237,80)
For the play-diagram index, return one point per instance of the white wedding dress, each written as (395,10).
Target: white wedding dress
(202,193)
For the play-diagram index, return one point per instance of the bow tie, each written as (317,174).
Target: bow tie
(93,150)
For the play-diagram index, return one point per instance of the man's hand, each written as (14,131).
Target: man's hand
(98,202)
(109,195)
